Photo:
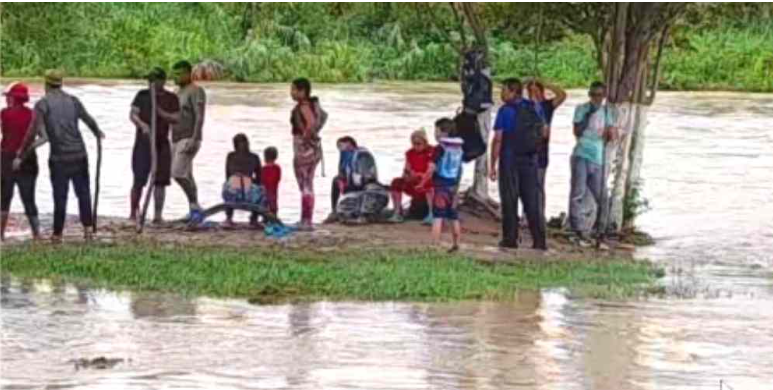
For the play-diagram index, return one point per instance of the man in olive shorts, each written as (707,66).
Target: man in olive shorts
(186,132)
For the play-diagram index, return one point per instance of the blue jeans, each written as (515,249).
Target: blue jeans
(587,177)
(62,173)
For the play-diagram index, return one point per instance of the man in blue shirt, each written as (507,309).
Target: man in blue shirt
(593,127)
(518,127)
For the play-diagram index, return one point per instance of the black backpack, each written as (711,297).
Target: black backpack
(468,129)
(527,135)
(477,87)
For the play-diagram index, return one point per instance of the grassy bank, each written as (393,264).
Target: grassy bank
(362,43)
(264,275)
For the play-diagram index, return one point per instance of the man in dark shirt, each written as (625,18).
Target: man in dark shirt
(141,113)
(56,121)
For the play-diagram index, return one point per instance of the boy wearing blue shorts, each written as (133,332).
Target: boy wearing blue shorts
(446,172)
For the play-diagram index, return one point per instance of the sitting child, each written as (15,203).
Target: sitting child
(346,148)
(243,174)
(446,173)
(416,171)
(270,177)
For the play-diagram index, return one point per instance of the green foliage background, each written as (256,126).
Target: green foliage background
(715,46)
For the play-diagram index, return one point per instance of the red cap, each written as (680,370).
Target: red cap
(18,91)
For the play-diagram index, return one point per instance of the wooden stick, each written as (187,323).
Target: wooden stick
(153,159)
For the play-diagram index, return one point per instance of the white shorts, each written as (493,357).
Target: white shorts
(182,162)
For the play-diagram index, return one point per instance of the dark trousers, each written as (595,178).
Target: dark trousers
(62,173)
(26,184)
(518,180)
(335,192)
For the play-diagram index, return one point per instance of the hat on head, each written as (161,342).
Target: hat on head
(156,74)
(54,77)
(18,91)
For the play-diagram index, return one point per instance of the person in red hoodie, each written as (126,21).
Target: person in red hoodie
(271,176)
(417,162)
(15,121)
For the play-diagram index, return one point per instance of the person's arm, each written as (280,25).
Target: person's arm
(437,154)
(258,170)
(35,137)
(200,108)
(577,121)
(229,165)
(172,117)
(88,119)
(134,117)
(558,93)
(496,147)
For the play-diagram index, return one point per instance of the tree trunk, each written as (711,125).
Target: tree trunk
(480,181)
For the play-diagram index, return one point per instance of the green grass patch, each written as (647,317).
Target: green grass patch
(267,276)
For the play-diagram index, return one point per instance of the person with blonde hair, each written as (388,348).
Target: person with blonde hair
(417,161)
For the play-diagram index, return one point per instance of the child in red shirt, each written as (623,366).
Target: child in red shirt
(270,177)
(417,162)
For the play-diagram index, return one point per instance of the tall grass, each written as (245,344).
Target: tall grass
(118,40)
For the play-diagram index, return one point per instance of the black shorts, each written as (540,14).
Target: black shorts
(141,164)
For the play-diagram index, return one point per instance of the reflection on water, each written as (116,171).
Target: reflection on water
(542,341)
(707,169)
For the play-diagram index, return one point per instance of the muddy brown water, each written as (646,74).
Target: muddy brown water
(708,177)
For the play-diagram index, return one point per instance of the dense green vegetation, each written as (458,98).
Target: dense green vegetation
(265,275)
(716,46)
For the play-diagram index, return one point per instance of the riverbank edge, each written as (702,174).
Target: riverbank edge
(273,275)
(81,80)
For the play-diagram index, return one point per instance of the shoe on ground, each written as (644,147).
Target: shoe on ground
(304,227)
(428,220)
(454,249)
(395,218)
(507,245)
(331,218)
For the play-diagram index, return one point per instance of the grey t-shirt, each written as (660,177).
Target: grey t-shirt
(57,116)
(192,101)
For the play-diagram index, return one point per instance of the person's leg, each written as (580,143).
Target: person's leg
(577,193)
(541,174)
(457,235)
(509,202)
(335,194)
(135,198)
(229,217)
(305,176)
(396,190)
(182,172)
(529,195)
(429,219)
(159,198)
(437,229)
(27,191)
(60,184)
(594,183)
(82,185)
(6,196)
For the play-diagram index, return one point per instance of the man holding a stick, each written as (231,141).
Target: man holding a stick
(140,115)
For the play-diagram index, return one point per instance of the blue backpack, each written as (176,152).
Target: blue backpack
(450,165)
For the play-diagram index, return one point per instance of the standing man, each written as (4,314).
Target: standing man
(536,89)
(187,126)
(517,130)
(56,120)
(140,114)
(593,127)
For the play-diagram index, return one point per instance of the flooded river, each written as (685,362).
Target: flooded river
(708,167)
